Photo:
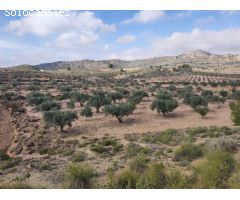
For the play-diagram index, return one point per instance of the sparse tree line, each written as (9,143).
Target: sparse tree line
(119,102)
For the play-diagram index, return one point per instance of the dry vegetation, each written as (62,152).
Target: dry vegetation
(119,129)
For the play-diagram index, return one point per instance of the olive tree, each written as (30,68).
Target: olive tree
(81,98)
(218,100)
(137,97)
(164,103)
(98,100)
(114,96)
(71,104)
(223,93)
(235,112)
(86,112)
(59,118)
(119,111)
(164,106)
(195,100)
(4,88)
(36,98)
(202,110)
(207,94)
(49,105)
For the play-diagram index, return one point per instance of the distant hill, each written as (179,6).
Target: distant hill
(197,58)
(22,68)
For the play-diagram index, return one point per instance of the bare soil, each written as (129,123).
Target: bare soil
(6,129)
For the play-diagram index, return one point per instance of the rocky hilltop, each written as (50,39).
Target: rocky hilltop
(197,58)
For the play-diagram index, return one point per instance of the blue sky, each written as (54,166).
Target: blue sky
(116,34)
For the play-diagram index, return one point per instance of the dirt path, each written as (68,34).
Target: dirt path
(6,129)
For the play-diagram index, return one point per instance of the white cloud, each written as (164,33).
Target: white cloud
(9,45)
(146,16)
(128,54)
(46,25)
(79,32)
(75,39)
(126,39)
(218,42)
(225,41)
(106,47)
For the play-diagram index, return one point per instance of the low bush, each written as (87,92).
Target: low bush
(188,152)
(224,144)
(138,164)
(214,170)
(79,157)
(155,177)
(79,177)
(107,146)
(134,149)
(124,180)
(234,180)
(3,156)
(166,136)
(177,180)
(196,131)
(10,163)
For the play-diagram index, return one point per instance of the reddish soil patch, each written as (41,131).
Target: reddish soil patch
(145,120)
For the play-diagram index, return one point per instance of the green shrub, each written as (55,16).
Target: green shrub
(107,141)
(226,130)
(177,180)
(166,136)
(124,180)
(197,130)
(188,152)
(10,163)
(106,145)
(79,177)
(138,164)
(117,148)
(155,177)
(214,170)
(99,148)
(234,181)
(3,156)
(134,149)
(235,112)
(149,138)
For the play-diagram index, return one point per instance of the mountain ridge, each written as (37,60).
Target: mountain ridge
(195,57)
